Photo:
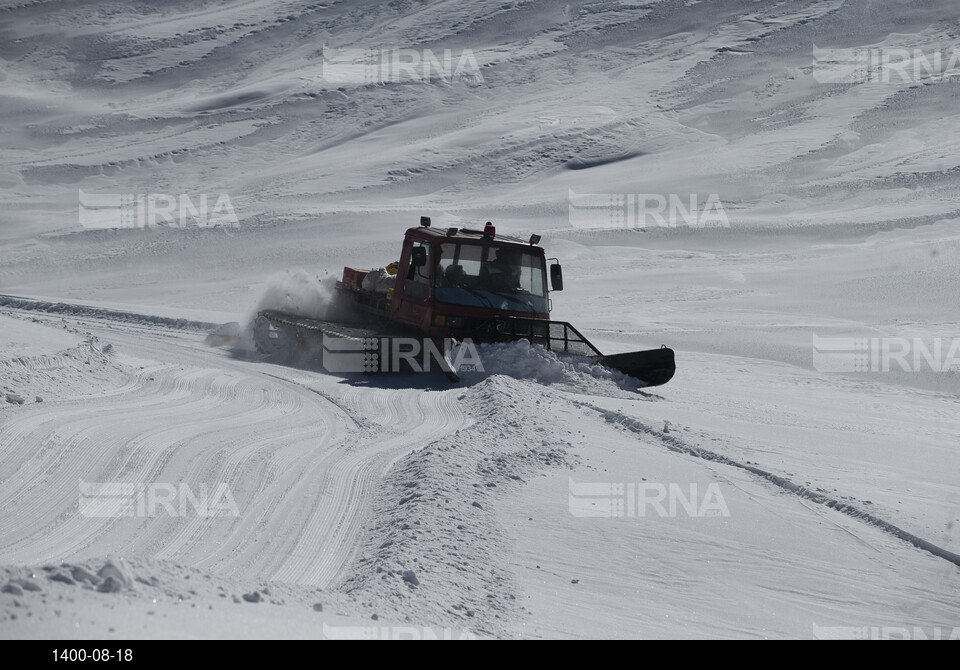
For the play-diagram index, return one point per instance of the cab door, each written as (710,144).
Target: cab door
(413,294)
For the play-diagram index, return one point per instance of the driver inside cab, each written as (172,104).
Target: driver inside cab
(503,273)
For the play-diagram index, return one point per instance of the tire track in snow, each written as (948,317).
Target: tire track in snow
(675,444)
(192,416)
(394,422)
(134,449)
(301,454)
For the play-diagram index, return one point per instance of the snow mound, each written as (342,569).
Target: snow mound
(111,598)
(522,360)
(57,362)
(434,550)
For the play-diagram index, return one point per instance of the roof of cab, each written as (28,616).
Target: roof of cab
(466,234)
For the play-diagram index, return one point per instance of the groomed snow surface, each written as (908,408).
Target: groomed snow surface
(162,479)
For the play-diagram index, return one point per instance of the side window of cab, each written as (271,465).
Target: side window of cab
(418,274)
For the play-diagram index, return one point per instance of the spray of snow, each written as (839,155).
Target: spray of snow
(300,293)
(522,360)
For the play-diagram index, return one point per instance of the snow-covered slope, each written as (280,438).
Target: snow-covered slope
(533,499)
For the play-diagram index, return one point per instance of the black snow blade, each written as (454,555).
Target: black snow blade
(653,367)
